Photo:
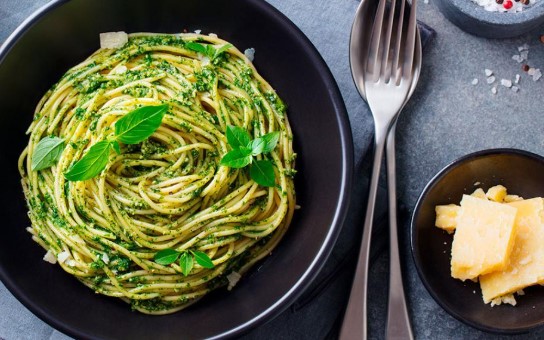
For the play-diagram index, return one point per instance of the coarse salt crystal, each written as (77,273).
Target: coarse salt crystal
(523,47)
(49,257)
(518,77)
(488,72)
(524,55)
(250,53)
(105,258)
(491,80)
(62,257)
(425,1)
(531,71)
(71,263)
(475,81)
(213,35)
(494,90)
(198,31)
(113,39)
(537,75)
(205,61)
(515,88)
(517,58)
(506,83)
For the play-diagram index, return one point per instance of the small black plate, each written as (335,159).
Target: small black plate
(64,33)
(522,173)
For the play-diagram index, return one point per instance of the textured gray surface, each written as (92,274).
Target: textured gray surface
(447,118)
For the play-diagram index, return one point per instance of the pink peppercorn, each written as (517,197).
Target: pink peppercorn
(508,4)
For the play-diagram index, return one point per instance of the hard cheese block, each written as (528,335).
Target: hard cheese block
(526,265)
(483,239)
(446,217)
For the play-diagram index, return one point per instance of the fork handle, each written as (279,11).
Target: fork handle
(354,325)
(398,321)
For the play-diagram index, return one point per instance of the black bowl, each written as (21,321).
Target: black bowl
(64,33)
(522,173)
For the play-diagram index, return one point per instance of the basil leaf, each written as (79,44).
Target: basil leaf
(262,172)
(237,137)
(257,146)
(115,146)
(166,256)
(138,125)
(202,259)
(221,50)
(271,140)
(193,46)
(210,51)
(47,153)
(237,158)
(91,164)
(207,49)
(186,263)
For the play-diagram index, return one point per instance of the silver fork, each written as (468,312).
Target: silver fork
(384,76)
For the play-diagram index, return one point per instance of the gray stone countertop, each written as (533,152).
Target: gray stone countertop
(447,117)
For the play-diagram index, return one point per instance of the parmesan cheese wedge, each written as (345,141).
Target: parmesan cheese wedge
(446,217)
(484,237)
(480,193)
(113,39)
(496,193)
(526,265)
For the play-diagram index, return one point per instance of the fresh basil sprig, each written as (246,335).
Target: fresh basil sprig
(187,258)
(47,153)
(244,150)
(207,49)
(135,127)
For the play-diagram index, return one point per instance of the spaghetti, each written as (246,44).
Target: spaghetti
(169,191)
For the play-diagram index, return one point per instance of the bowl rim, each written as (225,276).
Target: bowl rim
(338,216)
(414,233)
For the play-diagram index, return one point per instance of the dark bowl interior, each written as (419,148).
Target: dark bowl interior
(522,173)
(66,32)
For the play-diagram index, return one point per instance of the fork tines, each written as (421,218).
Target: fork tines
(392,44)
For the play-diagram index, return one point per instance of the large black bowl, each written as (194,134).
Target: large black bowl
(64,33)
(522,173)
